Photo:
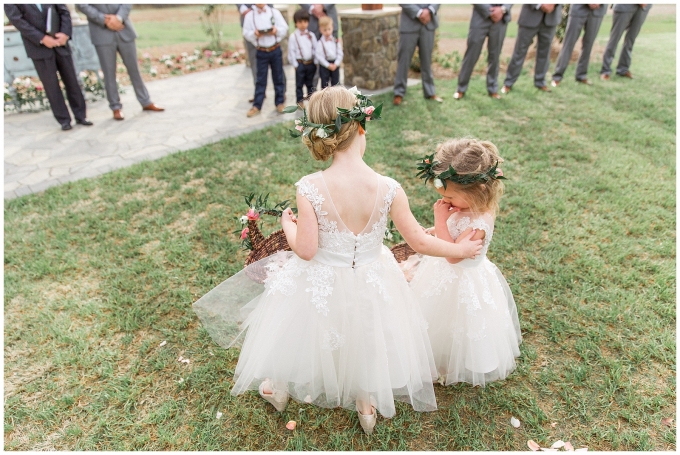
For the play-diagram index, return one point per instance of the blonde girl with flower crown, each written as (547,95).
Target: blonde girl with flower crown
(473,326)
(335,323)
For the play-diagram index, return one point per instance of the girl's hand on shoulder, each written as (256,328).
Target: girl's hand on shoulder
(288,217)
(471,248)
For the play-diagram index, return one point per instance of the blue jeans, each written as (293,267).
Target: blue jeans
(273,59)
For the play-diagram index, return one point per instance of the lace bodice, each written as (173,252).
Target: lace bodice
(460,221)
(334,236)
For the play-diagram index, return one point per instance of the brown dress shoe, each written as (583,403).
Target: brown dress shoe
(604,77)
(555,83)
(584,81)
(505,89)
(118,115)
(458,95)
(253,112)
(627,74)
(544,89)
(397,100)
(436,98)
(153,107)
(280,108)
(495,96)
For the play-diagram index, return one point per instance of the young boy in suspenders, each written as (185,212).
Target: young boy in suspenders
(301,46)
(328,54)
(265,27)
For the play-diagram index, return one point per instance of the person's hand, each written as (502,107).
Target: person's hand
(594,5)
(471,248)
(50,42)
(496,14)
(443,210)
(288,217)
(429,231)
(273,31)
(547,8)
(112,23)
(332,67)
(642,5)
(257,33)
(62,38)
(317,10)
(426,16)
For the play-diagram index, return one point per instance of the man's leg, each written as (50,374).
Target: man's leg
(627,50)
(47,72)
(276,62)
(67,72)
(107,60)
(405,50)
(525,36)
(262,61)
(475,41)
(620,22)
(128,52)
(591,29)
(545,37)
(496,37)
(571,34)
(425,49)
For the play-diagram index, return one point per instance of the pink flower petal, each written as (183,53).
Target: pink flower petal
(291,425)
(244,233)
(557,444)
(553,425)
(568,447)
(252,214)
(667,421)
(533,446)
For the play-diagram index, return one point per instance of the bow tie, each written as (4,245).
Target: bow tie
(260,11)
(330,38)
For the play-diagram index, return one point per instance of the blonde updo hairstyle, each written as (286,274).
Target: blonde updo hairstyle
(322,109)
(472,156)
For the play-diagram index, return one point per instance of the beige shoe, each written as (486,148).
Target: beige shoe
(278,399)
(253,112)
(368,421)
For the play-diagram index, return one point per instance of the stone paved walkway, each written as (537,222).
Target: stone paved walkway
(201,108)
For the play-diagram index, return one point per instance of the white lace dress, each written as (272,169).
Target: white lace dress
(472,317)
(340,326)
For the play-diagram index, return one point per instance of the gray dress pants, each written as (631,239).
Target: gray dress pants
(252,56)
(107,60)
(475,42)
(620,23)
(574,26)
(525,36)
(407,46)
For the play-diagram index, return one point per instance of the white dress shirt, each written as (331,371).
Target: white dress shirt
(333,50)
(305,51)
(263,20)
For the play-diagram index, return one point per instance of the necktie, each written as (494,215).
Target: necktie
(39,5)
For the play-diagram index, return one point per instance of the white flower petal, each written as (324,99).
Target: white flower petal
(181,380)
(163,343)
(514,422)
(438,183)
(558,444)
(218,415)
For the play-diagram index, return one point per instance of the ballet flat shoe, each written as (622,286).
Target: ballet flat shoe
(368,421)
(278,399)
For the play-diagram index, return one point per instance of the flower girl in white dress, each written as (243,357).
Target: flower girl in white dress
(473,324)
(335,323)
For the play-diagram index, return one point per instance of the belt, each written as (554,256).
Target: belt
(269,49)
(305,62)
(351,260)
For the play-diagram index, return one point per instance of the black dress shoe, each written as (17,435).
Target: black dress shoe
(84,122)
(66,127)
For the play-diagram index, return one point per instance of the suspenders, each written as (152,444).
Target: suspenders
(255,26)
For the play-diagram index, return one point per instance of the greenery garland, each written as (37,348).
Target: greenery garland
(426,171)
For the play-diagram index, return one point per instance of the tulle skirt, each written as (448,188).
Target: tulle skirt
(327,335)
(473,326)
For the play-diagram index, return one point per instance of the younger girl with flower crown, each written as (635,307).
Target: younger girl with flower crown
(473,325)
(335,323)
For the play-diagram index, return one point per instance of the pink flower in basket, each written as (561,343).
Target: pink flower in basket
(252,214)
(244,233)
(299,128)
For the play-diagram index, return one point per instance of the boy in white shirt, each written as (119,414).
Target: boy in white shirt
(328,54)
(265,27)
(301,46)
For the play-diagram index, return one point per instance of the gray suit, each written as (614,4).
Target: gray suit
(581,17)
(626,17)
(108,42)
(481,27)
(250,47)
(532,22)
(414,33)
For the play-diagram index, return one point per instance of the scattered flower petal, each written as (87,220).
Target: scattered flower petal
(667,421)
(180,359)
(558,444)
(568,447)
(210,352)
(553,425)
(181,380)
(163,343)
(291,425)
(186,361)
(533,446)
(218,415)
(514,422)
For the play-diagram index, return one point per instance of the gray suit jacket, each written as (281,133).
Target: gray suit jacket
(532,17)
(409,23)
(629,8)
(482,18)
(101,35)
(314,22)
(580,10)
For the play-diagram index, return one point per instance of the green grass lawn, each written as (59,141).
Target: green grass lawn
(99,272)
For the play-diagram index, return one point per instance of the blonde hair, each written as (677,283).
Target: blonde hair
(325,21)
(323,110)
(472,156)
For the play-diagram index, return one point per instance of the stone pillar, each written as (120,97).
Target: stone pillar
(370,40)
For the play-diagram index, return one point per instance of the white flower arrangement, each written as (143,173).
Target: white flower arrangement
(438,183)
(321,133)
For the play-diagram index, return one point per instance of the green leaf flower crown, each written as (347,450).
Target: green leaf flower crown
(426,171)
(363,111)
